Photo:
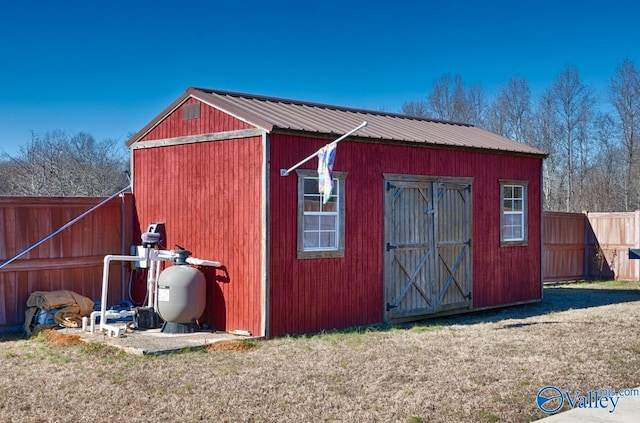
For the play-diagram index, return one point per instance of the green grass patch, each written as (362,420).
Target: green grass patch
(611,284)
(488,417)
(102,351)
(427,327)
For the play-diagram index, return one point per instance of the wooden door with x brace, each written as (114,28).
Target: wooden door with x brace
(427,247)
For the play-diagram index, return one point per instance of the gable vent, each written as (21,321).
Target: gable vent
(191,111)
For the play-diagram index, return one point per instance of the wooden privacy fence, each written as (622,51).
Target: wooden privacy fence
(575,246)
(590,246)
(72,259)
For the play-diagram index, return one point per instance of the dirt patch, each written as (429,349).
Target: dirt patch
(478,367)
(57,337)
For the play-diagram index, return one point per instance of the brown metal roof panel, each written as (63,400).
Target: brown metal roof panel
(318,118)
(278,114)
(298,117)
(231,107)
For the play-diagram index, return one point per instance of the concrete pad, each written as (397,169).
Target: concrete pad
(627,410)
(153,341)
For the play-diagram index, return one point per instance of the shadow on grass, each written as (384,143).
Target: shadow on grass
(555,299)
(11,335)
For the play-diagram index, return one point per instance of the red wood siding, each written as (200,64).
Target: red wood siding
(208,195)
(211,120)
(314,294)
(72,259)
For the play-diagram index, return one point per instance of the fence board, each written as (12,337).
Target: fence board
(611,237)
(590,246)
(563,246)
(70,260)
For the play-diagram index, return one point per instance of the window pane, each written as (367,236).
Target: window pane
(512,232)
(311,222)
(311,185)
(511,219)
(327,239)
(332,204)
(328,223)
(517,192)
(513,226)
(312,203)
(311,240)
(508,205)
(517,205)
(508,191)
(507,233)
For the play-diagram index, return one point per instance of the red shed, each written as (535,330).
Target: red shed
(425,217)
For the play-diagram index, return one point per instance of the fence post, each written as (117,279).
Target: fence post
(636,244)
(585,242)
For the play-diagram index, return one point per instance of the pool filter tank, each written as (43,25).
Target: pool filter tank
(181,296)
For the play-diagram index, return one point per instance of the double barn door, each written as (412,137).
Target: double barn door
(427,264)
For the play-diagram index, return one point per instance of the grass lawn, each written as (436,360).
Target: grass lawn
(479,367)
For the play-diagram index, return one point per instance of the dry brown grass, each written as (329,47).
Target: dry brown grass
(482,367)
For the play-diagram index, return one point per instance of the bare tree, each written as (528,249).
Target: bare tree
(574,103)
(476,105)
(605,177)
(592,161)
(439,100)
(624,95)
(458,101)
(514,103)
(451,100)
(545,132)
(417,109)
(56,164)
(496,119)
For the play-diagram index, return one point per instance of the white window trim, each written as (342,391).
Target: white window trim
(524,217)
(338,251)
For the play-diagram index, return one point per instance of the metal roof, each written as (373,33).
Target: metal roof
(278,114)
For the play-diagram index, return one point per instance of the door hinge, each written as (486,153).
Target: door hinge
(391,306)
(391,247)
(390,186)
(468,296)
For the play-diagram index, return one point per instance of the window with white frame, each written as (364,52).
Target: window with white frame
(320,225)
(513,216)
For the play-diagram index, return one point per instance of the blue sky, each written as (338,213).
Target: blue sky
(109,67)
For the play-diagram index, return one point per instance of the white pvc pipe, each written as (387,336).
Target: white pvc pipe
(152,257)
(150,273)
(156,278)
(105,286)
(200,262)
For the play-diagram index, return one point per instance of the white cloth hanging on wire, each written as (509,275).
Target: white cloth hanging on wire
(326,157)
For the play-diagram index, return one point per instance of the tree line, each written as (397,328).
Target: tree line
(57,164)
(592,139)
